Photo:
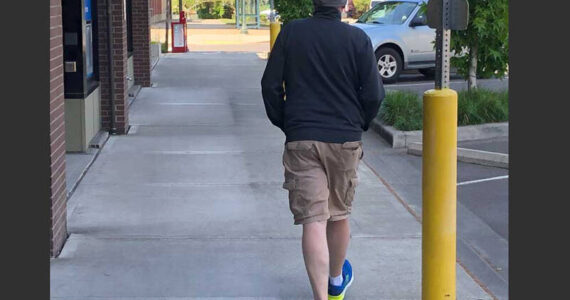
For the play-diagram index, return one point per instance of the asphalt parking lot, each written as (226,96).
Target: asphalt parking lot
(500,145)
(412,80)
(482,205)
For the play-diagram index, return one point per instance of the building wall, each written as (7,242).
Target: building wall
(58,231)
(157,20)
(118,51)
(157,10)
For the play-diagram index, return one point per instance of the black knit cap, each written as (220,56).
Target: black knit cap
(330,3)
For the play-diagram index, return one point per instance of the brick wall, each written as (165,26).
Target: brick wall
(141,41)
(58,230)
(119,68)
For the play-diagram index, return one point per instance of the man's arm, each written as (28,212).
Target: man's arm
(371,91)
(272,84)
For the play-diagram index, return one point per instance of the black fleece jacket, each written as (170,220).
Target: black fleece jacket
(321,81)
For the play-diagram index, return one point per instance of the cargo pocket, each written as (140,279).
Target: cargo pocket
(289,184)
(352,183)
(294,202)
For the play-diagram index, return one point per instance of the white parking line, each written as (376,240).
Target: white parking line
(483,180)
(195,103)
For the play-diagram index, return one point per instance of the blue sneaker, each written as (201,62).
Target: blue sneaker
(337,292)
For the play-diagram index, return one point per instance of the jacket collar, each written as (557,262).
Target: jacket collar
(325,12)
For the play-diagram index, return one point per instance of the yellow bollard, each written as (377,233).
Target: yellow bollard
(439,194)
(274,28)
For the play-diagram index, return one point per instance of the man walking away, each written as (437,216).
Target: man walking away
(322,88)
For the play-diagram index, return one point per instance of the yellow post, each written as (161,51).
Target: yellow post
(439,187)
(274,28)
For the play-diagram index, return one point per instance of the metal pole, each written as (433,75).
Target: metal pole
(271,11)
(257,17)
(168,22)
(439,176)
(243,23)
(442,53)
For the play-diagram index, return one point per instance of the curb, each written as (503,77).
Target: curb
(402,139)
(398,139)
(479,157)
(133,93)
(96,145)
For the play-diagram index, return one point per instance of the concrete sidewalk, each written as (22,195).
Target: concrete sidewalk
(189,204)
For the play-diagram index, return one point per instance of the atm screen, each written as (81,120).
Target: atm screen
(89,49)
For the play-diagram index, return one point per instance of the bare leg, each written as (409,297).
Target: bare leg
(316,254)
(338,236)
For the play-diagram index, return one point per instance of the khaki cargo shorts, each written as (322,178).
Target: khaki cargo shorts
(321,179)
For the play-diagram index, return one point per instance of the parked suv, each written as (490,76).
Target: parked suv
(400,37)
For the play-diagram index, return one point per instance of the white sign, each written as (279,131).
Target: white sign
(178,35)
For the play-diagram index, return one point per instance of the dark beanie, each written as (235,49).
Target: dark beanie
(330,3)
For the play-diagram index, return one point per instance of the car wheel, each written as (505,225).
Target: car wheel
(389,64)
(429,72)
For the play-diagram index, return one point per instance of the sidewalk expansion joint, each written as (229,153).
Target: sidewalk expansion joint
(84,236)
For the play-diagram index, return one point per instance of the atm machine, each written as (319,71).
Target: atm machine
(82,92)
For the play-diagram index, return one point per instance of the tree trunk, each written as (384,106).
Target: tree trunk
(472,79)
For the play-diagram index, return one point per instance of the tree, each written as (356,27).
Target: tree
(360,7)
(486,41)
(293,9)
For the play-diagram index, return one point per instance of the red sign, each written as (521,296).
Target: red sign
(179,41)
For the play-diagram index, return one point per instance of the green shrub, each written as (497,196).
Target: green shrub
(228,12)
(218,9)
(482,106)
(215,9)
(293,9)
(402,109)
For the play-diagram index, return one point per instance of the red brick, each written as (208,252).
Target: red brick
(58,231)
(119,68)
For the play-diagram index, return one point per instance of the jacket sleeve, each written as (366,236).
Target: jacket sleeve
(272,88)
(371,92)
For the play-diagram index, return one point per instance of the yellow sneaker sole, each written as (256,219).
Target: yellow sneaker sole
(341,296)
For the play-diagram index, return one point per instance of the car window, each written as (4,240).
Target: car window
(421,13)
(374,3)
(391,13)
